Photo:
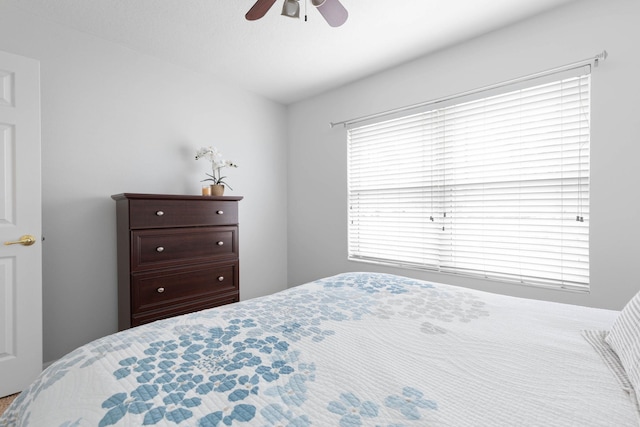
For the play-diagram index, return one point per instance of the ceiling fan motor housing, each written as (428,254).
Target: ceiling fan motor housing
(291,8)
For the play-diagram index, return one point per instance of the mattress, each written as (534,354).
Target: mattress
(356,349)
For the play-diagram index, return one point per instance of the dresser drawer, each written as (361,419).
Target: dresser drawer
(178,246)
(180,213)
(151,316)
(178,288)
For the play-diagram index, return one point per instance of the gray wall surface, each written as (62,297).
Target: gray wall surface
(318,155)
(116,121)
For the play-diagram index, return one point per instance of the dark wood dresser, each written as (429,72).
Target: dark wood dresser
(176,254)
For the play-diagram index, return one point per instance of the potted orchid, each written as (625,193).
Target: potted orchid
(217,164)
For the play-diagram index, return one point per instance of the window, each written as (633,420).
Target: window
(496,187)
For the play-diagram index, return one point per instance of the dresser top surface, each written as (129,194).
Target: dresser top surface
(139,196)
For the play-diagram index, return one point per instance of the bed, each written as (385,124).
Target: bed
(356,349)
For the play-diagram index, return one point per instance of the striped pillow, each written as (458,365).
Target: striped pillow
(624,339)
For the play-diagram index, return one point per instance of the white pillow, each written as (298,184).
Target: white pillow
(624,339)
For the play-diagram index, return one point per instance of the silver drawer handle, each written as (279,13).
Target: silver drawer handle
(160,290)
(159,249)
(160,213)
(220,243)
(220,212)
(221,278)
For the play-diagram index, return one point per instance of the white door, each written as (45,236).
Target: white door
(20,215)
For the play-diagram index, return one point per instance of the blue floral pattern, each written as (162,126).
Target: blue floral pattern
(353,411)
(276,415)
(194,365)
(252,362)
(410,403)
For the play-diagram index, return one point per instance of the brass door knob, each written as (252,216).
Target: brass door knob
(26,240)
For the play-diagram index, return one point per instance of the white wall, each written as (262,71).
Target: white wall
(317,154)
(116,121)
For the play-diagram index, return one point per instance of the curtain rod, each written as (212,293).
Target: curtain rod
(595,60)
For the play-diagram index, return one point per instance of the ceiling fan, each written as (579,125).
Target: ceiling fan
(331,10)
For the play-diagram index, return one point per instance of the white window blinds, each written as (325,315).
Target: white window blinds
(496,187)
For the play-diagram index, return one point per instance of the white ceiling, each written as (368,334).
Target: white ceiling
(281,58)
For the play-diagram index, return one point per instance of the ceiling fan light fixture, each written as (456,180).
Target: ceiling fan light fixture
(291,8)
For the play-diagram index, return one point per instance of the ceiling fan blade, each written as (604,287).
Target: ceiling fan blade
(259,9)
(332,11)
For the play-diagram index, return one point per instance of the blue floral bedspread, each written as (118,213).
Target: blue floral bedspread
(357,349)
